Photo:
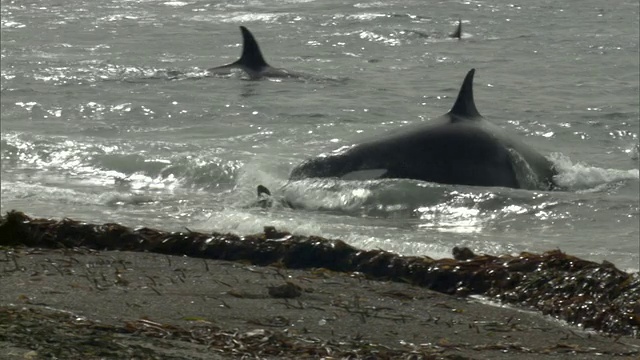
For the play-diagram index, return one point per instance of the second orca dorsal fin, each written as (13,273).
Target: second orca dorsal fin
(251,55)
(464,105)
(458,33)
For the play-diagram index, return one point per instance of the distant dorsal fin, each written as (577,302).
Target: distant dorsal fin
(464,105)
(251,54)
(458,33)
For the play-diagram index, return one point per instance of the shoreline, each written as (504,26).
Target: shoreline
(87,304)
(62,282)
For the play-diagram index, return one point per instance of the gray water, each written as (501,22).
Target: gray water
(108,115)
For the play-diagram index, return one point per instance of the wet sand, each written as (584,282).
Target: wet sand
(84,304)
(72,290)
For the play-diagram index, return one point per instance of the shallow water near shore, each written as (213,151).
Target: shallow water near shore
(108,115)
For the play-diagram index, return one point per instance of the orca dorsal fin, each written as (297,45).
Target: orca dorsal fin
(464,105)
(458,33)
(251,54)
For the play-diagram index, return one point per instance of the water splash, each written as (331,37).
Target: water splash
(580,176)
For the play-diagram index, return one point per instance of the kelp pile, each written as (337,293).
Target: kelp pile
(596,296)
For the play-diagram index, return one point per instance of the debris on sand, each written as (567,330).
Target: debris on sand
(585,293)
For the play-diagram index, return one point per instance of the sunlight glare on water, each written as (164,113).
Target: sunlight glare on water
(109,115)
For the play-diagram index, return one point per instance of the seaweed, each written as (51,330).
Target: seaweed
(54,335)
(581,292)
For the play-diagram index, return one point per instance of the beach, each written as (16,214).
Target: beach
(79,302)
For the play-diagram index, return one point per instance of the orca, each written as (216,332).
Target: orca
(252,62)
(459,148)
(458,33)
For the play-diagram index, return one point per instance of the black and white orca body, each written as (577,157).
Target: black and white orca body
(460,147)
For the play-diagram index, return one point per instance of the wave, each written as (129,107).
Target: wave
(580,176)
(90,72)
(118,163)
(401,197)
(455,208)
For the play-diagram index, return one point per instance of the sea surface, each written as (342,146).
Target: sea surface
(109,115)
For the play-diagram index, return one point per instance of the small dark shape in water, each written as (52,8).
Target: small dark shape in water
(263,191)
(458,33)
(270,233)
(264,197)
(462,253)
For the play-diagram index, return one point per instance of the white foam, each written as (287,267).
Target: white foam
(578,175)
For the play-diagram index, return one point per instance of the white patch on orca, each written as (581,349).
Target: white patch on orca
(364,174)
(526,176)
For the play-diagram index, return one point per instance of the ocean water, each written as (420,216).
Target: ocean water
(108,115)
